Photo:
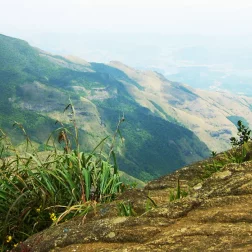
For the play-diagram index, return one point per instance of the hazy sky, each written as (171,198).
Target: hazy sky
(77,16)
(136,32)
(169,36)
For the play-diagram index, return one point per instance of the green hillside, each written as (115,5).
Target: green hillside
(36,87)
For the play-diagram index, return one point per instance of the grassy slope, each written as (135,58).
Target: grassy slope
(19,64)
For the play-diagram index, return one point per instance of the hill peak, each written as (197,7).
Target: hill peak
(121,66)
(77,60)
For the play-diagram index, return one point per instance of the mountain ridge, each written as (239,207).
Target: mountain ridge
(204,112)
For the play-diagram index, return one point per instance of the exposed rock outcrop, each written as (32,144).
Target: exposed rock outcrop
(216,215)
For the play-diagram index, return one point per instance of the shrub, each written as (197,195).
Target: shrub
(243,133)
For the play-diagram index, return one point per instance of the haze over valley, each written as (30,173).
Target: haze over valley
(204,44)
(208,62)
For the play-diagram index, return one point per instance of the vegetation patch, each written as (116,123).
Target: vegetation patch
(39,190)
(240,152)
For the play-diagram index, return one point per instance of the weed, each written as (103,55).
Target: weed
(212,167)
(150,204)
(178,193)
(213,153)
(126,209)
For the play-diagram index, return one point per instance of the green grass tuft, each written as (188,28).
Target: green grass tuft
(42,189)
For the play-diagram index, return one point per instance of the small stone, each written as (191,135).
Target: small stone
(197,187)
(182,230)
(119,220)
(222,175)
(111,235)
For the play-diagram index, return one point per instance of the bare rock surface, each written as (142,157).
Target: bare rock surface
(216,215)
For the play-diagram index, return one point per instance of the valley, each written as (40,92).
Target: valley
(167,124)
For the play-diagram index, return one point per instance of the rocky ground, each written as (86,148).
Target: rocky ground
(216,215)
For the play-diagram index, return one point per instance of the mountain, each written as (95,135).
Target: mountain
(36,87)
(212,116)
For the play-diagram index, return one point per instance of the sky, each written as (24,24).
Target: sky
(132,31)
(164,16)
